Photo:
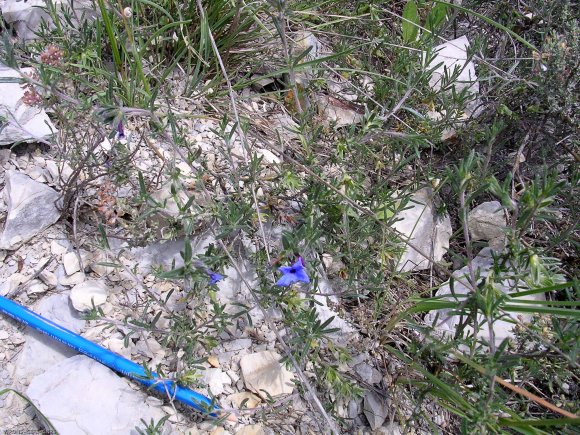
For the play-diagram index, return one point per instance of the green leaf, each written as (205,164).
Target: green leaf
(436,17)
(410,21)
(104,239)
(173,274)
(187,253)
(384,213)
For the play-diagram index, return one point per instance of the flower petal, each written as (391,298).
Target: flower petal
(215,277)
(301,275)
(286,269)
(287,279)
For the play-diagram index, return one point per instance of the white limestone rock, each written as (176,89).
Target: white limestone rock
(450,56)
(117,344)
(251,429)
(487,222)
(97,264)
(48,278)
(482,264)
(27,16)
(69,281)
(215,379)
(71,264)
(324,295)
(58,172)
(32,207)
(36,287)
(338,113)
(304,40)
(429,233)
(20,122)
(164,253)
(57,248)
(389,429)
(368,374)
(41,352)
(245,398)
(170,203)
(375,409)
(85,294)
(264,375)
(11,283)
(80,395)
(268,157)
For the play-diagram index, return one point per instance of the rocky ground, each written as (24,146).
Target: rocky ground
(45,273)
(54,261)
(43,269)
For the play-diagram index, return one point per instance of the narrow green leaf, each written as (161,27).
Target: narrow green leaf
(410,21)
(104,239)
(436,17)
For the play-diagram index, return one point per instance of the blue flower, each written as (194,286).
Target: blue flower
(293,274)
(214,277)
(120,131)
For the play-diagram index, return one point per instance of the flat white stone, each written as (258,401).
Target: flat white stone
(11,283)
(117,345)
(429,233)
(32,207)
(40,352)
(100,269)
(85,294)
(375,409)
(487,221)
(168,201)
(251,429)
(56,248)
(19,121)
(36,287)
(264,375)
(27,16)
(268,156)
(336,112)
(74,279)
(250,400)
(48,278)
(216,380)
(71,264)
(450,56)
(58,173)
(502,328)
(81,396)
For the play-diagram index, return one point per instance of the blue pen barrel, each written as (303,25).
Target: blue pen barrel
(106,357)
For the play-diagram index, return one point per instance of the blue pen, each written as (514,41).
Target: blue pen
(108,358)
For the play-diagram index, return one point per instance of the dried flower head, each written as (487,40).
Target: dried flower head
(31,97)
(52,55)
(107,202)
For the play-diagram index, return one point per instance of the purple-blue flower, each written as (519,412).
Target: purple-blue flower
(120,131)
(214,277)
(293,274)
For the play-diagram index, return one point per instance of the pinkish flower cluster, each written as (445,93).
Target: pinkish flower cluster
(31,97)
(52,55)
(107,202)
